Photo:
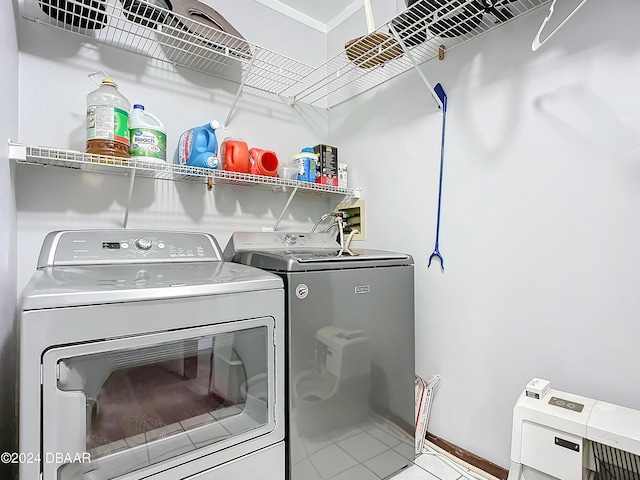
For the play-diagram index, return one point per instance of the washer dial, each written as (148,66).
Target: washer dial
(290,238)
(144,243)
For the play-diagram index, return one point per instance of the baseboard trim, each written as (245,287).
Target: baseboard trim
(471,458)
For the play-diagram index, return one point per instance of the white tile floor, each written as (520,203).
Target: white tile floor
(429,467)
(370,450)
(362,452)
(367,451)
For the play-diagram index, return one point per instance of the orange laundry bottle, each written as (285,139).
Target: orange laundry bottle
(263,162)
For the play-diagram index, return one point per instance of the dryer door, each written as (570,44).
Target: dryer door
(138,405)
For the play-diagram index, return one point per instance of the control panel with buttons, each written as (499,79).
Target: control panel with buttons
(276,241)
(127,246)
(569,405)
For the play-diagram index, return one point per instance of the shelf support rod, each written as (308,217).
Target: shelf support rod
(296,108)
(235,100)
(132,179)
(415,65)
(286,205)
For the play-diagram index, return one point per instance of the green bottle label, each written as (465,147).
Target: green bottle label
(107,123)
(121,127)
(147,142)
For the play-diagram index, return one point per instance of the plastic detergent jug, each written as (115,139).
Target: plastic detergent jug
(148,136)
(263,162)
(198,146)
(306,162)
(235,155)
(108,121)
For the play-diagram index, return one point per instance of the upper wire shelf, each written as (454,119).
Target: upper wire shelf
(417,33)
(422,33)
(161,170)
(146,28)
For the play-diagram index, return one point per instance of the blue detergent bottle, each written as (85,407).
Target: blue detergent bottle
(198,146)
(306,162)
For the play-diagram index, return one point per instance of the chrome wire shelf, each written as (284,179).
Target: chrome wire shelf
(164,171)
(150,30)
(417,33)
(422,30)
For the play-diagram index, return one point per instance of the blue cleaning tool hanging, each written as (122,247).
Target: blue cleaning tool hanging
(443,98)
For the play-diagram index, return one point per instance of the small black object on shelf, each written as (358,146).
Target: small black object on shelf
(86,14)
(455,18)
(147,13)
(201,24)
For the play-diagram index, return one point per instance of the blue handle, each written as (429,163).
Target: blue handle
(441,95)
(205,140)
(443,98)
(212,141)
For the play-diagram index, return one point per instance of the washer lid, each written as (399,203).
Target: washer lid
(67,286)
(283,261)
(358,256)
(280,242)
(291,251)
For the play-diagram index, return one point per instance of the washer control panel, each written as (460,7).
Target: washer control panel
(278,241)
(568,404)
(126,246)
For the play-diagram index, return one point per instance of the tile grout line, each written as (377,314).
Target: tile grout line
(445,466)
(430,473)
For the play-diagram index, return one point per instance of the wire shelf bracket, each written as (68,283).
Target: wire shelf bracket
(132,180)
(237,96)
(407,52)
(284,209)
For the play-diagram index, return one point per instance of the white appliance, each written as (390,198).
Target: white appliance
(568,437)
(146,355)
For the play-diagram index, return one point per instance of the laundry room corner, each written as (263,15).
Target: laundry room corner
(539,200)
(424,207)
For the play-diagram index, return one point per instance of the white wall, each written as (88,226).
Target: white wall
(8,129)
(54,85)
(540,203)
(271,30)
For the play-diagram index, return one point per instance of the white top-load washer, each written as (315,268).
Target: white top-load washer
(143,354)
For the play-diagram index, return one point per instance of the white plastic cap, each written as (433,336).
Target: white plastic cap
(214,124)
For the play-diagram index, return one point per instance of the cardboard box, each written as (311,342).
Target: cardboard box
(327,164)
(343,175)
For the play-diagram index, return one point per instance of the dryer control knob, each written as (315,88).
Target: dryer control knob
(143,243)
(290,238)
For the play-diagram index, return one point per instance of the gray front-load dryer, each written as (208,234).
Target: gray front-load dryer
(350,358)
(144,355)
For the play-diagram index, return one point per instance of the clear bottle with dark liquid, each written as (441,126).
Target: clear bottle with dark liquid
(108,121)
